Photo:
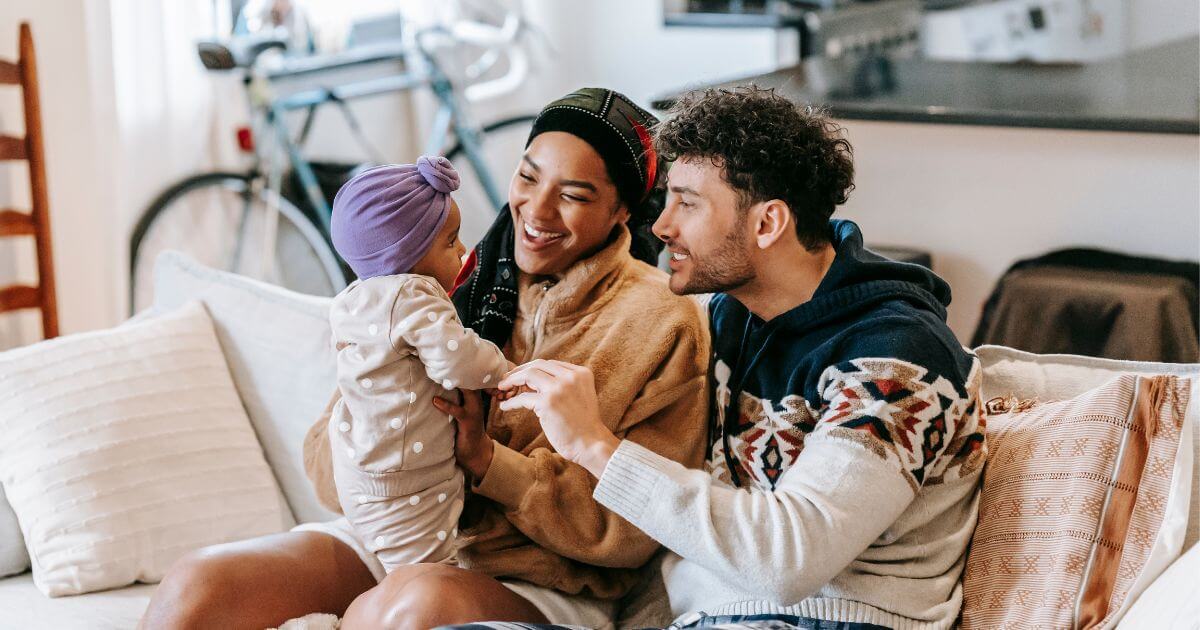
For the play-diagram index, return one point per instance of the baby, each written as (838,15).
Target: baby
(400,343)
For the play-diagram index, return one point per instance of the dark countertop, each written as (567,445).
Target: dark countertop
(1156,90)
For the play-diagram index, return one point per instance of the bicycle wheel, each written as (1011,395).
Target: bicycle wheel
(502,144)
(222,220)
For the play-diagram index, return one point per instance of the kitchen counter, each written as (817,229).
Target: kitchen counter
(1156,90)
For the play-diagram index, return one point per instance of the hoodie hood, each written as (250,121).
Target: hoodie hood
(860,279)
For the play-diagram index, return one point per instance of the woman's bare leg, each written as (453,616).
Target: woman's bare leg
(258,583)
(424,596)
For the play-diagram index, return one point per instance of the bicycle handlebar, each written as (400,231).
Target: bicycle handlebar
(494,38)
(518,71)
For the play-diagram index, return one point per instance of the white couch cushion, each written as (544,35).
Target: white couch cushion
(1172,601)
(13,557)
(123,449)
(23,606)
(278,347)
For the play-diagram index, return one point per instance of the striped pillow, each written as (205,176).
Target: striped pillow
(122,450)
(1074,495)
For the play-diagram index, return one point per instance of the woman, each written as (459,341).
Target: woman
(555,278)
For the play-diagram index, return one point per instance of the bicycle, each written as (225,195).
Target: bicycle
(246,222)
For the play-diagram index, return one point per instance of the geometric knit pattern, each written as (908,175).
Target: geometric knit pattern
(928,427)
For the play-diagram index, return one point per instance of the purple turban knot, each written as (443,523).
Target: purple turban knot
(385,219)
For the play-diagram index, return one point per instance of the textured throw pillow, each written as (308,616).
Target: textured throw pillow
(123,449)
(1050,377)
(1074,497)
(279,349)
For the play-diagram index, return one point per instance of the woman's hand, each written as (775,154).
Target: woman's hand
(564,398)
(472,447)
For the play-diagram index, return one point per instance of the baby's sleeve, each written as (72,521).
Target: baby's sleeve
(454,356)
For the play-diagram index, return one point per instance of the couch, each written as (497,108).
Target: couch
(278,349)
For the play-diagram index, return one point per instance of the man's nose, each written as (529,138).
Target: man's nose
(662,227)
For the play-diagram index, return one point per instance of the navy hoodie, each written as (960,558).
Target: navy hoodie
(870,356)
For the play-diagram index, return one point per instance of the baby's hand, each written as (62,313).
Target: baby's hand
(509,393)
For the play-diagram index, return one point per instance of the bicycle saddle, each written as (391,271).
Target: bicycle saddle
(241,52)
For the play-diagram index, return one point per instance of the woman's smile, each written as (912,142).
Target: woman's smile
(537,238)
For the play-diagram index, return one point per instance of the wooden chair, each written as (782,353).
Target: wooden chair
(23,73)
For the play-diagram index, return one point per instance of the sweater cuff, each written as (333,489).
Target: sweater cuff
(627,484)
(508,478)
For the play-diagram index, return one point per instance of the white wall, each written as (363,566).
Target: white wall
(74,116)
(623,44)
(1152,22)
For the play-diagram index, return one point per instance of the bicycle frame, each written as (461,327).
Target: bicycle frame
(450,115)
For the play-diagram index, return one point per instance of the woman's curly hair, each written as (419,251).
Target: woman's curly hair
(768,148)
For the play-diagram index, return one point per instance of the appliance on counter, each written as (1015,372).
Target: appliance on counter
(826,28)
(1048,31)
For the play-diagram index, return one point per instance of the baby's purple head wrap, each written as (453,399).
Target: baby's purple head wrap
(385,219)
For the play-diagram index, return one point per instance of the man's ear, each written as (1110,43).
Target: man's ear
(774,222)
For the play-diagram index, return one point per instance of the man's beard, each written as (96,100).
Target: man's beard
(725,269)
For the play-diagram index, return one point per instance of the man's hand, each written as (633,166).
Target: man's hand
(472,447)
(564,398)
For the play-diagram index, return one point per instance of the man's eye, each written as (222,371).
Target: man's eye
(575,199)
(526,177)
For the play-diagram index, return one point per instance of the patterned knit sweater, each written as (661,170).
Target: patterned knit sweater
(846,446)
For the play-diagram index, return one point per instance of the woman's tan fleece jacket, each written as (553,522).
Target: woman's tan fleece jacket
(532,516)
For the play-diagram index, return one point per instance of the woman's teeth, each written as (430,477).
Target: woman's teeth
(678,256)
(539,234)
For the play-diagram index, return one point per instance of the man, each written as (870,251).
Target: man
(846,438)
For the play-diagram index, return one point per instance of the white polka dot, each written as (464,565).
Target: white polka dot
(432,317)
(372,330)
(414,500)
(454,532)
(448,384)
(362,498)
(452,345)
(442,498)
(395,423)
(379,540)
(418,447)
(367,383)
(350,452)
(412,397)
(487,378)
(441,535)
(344,427)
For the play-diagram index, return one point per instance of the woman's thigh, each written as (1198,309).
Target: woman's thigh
(259,583)
(424,596)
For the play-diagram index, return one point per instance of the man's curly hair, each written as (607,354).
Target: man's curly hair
(768,148)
